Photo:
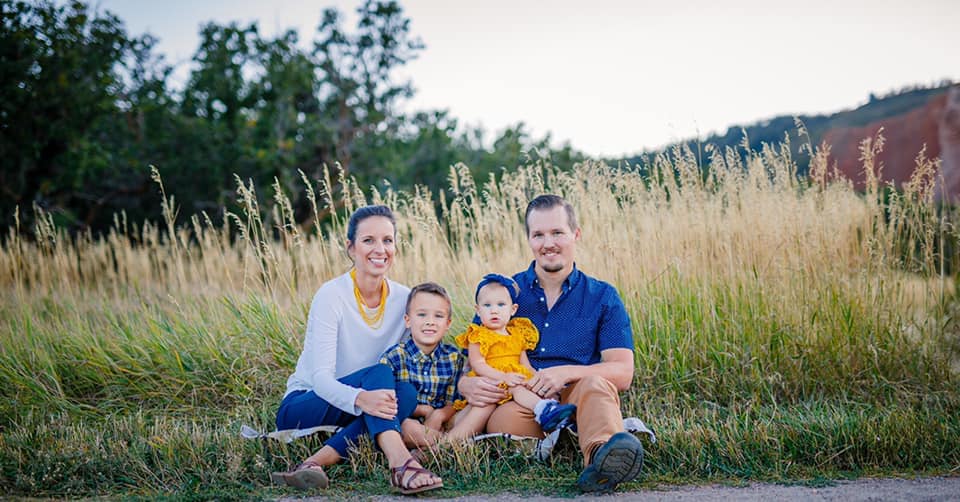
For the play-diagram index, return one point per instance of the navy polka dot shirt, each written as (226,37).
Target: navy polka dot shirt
(587,318)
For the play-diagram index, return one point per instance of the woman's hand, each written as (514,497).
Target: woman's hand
(481,391)
(378,403)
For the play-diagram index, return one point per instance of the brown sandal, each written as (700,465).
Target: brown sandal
(398,484)
(305,476)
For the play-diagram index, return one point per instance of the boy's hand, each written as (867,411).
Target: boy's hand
(422,411)
(434,420)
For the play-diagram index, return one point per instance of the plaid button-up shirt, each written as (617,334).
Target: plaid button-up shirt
(435,375)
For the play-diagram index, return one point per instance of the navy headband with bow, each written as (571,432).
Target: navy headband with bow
(502,280)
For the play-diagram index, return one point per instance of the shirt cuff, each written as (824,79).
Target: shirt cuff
(355,410)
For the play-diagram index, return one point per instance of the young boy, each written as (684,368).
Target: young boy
(424,360)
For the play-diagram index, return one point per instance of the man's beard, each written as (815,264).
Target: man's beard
(552,268)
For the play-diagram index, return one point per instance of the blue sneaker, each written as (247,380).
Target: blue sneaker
(555,416)
(617,461)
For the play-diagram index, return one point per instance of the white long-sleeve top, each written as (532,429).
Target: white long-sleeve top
(338,342)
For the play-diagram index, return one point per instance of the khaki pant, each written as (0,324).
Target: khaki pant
(598,414)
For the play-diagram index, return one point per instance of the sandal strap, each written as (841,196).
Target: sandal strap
(307,464)
(399,472)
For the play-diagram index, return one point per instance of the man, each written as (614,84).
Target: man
(585,350)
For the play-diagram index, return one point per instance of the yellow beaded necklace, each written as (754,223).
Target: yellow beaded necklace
(374,320)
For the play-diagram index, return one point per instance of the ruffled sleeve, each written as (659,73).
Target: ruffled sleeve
(480,335)
(529,332)
(473,334)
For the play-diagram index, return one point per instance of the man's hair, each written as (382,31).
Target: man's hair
(433,289)
(549,201)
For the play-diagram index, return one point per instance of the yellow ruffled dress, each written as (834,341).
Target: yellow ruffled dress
(502,352)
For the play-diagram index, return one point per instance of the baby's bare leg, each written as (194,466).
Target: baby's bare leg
(469,422)
(524,397)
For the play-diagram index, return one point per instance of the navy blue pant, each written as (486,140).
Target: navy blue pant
(303,409)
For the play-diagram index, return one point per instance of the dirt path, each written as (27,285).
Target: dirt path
(926,489)
(930,489)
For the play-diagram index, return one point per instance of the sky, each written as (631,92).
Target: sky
(619,77)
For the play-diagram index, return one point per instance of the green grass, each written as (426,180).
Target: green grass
(150,403)
(60,456)
(785,331)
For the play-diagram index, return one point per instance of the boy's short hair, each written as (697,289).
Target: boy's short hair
(432,288)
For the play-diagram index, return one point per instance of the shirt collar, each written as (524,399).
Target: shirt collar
(411,348)
(571,280)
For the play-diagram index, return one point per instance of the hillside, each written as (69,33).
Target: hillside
(910,119)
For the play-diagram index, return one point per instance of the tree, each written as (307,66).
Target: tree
(218,99)
(286,100)
(420,151)
(57,76)
(358,94)
(85,110)
(140,130)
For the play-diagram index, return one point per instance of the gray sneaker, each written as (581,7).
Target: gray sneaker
(544,447)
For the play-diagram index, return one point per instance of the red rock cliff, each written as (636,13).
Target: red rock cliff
(936,125)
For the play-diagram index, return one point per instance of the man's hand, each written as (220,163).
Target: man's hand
(481,391)
(549,381)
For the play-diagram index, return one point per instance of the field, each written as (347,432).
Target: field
(787,329)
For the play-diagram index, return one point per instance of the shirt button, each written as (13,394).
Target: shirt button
(541,299)
(546,325)
(543,349)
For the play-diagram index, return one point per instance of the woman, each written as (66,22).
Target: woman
(352,320)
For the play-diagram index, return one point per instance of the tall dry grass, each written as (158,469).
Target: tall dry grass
(750,288)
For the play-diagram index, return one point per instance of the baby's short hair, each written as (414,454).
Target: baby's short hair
(433,289)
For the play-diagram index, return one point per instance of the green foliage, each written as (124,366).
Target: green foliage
(58,68)
(123,375)
(86,109)
(765,362)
